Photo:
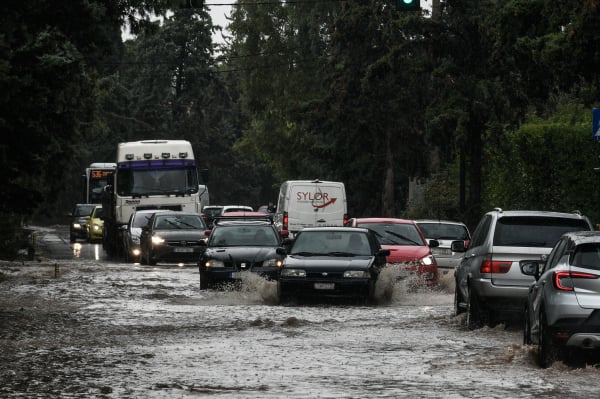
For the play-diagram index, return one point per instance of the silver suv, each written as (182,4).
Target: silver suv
(563,305)
(489,284)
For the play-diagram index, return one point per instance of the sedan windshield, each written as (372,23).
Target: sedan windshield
(334,243)
(395,233)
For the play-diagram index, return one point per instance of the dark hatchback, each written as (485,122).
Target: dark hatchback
(237,245)
(332,262)
(172,237)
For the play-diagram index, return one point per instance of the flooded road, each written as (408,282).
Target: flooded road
(88,327)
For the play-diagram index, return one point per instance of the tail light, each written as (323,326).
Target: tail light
(495,266)
(285,221)
(345,219)
(563,280)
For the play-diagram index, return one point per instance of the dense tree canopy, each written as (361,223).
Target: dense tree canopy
(457,105)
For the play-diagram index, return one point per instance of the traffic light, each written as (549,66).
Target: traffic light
(408,5)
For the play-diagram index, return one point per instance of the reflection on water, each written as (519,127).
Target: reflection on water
(77,250)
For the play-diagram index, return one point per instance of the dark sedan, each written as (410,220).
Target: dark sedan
(237,245)
(172,237)
(332,262)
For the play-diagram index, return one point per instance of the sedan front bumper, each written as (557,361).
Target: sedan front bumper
(350,287)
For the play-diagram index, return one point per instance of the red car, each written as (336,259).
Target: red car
(408,247)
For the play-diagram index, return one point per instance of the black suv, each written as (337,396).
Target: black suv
(237,245)
(489,284)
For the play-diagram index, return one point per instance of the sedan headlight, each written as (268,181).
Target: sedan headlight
(157,240)
(293,273)
(96,227)
(76,225)
(214,263)
(427,260)
(356,274)
(272,263)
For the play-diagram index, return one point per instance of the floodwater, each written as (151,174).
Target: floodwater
(87,327)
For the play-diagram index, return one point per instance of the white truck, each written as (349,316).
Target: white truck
(150,174)
(310,203)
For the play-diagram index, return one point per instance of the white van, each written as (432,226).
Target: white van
(310,203)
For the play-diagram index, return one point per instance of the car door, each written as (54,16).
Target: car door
(474,255)
(536,291)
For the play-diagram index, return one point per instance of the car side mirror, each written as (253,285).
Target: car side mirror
(281,251)
(434,243)
(530,268)
(383,252)
(458,246)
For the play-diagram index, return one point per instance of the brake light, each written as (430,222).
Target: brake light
(495,266)
(563,280)
(345,219)
(285,221)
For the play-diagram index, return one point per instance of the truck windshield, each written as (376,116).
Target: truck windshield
(144,179)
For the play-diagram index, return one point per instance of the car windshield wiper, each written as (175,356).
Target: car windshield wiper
(340,253)
(400,236)
(304,253)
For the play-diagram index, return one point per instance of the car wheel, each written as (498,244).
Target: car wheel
(458,309)
(526,327)
(474,315)
(547,350)
(143,259)
(281,297)
(369,296)
(203,281)
(128,258)
(151,260)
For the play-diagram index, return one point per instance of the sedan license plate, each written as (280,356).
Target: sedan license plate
(235,275)
(324,286)
(441,251)
(184,249)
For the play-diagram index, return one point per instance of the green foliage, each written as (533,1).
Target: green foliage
(546,164)
(351,91)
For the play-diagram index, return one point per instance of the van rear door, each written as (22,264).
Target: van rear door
(314,204)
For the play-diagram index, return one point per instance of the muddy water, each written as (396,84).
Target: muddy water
(102,329)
